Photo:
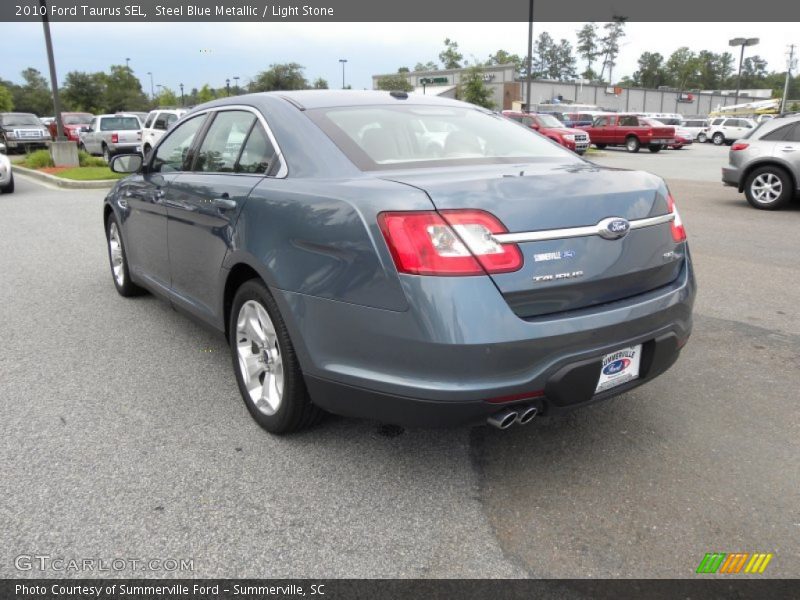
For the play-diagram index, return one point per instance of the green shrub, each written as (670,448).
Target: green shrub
(87,160)
(38,160)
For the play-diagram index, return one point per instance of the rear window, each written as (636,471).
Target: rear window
(84,119)
(119,123)
(381,137)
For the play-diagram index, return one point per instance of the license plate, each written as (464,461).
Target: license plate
(619,367)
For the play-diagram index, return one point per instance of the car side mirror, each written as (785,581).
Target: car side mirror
(126,163)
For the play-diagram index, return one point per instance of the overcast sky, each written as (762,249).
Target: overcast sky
(198,53)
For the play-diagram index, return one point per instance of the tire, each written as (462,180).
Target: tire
(600,146)
(768,188)
(702,138)
(655,148)
(632,144)
(256,324)
(580,152)
(9,187)
(107,155)
(718,138)
(82,148)
(118,260)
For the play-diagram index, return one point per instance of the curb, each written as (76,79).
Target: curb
(65,183)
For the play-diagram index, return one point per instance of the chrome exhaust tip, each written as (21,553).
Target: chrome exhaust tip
(503,419)
(526,415)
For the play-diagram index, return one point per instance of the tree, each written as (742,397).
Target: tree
(754,71)
(542,55)
(502,57)
(166,97)
(34,96)
(472,88)
(123,91)
(392,83)
(588,48)
(284,76)
(83,92)
(403,70)
(565,63)
(651,71)
(428,66)
(683,68)
(451,58)
(609,46)
(206,94)
(320,84)
(6,101)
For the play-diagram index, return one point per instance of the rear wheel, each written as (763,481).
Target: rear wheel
(768,188)
(266,367)
(655,148)
(107,154)
(9,187)
(718,138)
(632,144)
(600,146)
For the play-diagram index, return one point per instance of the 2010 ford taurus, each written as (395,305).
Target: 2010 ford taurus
(414,260)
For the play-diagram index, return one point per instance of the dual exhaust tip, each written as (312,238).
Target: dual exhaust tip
(506,418)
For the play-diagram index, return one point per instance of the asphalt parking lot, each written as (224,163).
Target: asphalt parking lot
(123,434)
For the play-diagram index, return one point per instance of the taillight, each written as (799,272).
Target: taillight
(114,138)
(740,146)
(453,242)
(676,225)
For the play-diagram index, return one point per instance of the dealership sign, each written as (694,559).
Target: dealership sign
(688,98)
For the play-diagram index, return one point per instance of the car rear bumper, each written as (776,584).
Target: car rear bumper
(460,346)
(731,176)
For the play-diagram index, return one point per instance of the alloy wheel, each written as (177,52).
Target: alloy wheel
(117,259)
(766,188)
(260,359)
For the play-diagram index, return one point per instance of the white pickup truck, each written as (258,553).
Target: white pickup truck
(113,134)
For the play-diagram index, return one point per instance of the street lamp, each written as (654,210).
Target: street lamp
(180,85)
(227,87)
(236,85)
(127,63)
(152,93)
(741,42)
(48,42)
(343,61)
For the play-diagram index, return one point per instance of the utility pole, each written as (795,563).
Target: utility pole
(743,42)
(181,86)
(789,66)
(152,88)
(343,61)
(530,57)
(227,87)
(52,62)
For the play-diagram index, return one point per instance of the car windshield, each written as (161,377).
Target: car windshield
(377,137)
(119,123)
(20,120)
(79,119)
(548,121)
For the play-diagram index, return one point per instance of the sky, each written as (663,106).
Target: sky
(198,53)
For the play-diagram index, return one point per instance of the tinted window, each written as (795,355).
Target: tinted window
(794,134)
(381,136)
(172,152)
(223,142)
(149,122)
(161,122)
(629,121)
(80,119)
(257,154)
(119,124)
(601,121)
(717,121)
(777,134)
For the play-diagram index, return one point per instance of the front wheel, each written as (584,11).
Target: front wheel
(119,261)
(702,138)
(718,139)
(655,148)
(768,188)
(9,187)
(600,146)
(266,366)
(632,144)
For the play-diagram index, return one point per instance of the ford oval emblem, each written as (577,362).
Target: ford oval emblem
(613,228)
(617,366)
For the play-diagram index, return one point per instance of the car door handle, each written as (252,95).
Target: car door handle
(788,149)
(223,203)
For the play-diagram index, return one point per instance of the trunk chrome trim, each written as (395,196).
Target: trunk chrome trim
(573,232)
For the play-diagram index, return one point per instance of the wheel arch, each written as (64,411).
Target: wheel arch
(768,162)
(238,274)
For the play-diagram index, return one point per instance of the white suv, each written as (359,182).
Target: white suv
(726,130)
(157,124)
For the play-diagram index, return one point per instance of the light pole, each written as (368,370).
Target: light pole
(741,42)
(236,84)
(530,58)
(227,87)
(180,85)
(128,63)
(343,61)
(152,92)
(52,63)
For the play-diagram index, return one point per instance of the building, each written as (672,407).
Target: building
(508,92)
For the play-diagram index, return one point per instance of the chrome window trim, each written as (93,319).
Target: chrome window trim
(283,172)
(573,232)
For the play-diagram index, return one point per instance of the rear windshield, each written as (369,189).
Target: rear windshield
(119,123)
(83,119)
(381,137)
(19,120)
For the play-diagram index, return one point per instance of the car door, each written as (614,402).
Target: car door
(788,150)
(599,133)
(235,154)
(145,198)
(90,138)
(628,124)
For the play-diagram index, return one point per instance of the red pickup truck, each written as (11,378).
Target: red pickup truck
(630,131)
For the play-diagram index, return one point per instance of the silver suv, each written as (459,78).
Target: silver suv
(765,164)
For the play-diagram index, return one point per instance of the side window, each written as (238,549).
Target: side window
(149,122)
(223,142)
(257,154)
(161,122)
(717,121)
(777,134)
(171,119)
(629,121)
(600,122)
(171,153)
(794,134)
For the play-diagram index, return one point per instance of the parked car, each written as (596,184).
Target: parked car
(74,123)
(726,130)
(352,272)
(582,119)
(142,116)
(683,137)
(576,140)
(156,125)
(765,164)
(112,134)
(22,131)
(6,173)
(697,127)
(630,131)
